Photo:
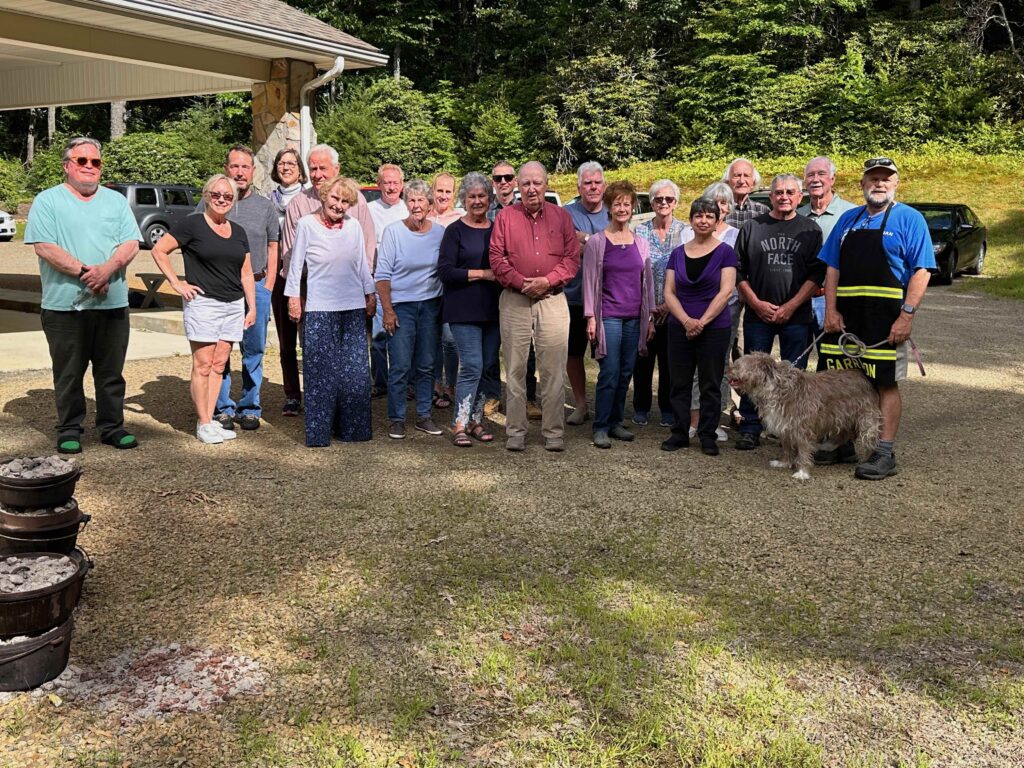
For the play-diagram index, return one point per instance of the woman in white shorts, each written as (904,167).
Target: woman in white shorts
(217,289)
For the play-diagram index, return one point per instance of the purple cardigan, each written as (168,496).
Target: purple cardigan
(593,285)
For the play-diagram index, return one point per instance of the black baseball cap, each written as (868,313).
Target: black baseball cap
(880,162)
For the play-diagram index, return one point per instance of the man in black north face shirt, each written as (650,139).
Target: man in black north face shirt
(778,274)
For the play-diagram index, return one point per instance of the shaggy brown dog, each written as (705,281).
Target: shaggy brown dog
(803,408)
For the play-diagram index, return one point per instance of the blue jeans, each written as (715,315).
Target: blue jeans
(478,345)
(759,336)
(411,356)
(379,350)
(621,337)
(446,358)
(252,346)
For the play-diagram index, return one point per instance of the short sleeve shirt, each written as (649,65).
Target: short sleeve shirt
(90,231)
(907,243)
(590,222)
(212,262)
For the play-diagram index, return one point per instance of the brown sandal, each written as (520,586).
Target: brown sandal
(478,432)
(461,439)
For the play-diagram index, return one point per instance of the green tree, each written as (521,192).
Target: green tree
(497,134)
(155,157)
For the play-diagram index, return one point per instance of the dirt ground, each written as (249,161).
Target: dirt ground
(411,601)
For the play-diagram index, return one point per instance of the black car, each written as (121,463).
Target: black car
(157,206)
(958,237)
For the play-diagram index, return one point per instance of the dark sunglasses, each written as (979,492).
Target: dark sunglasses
(503,177)
(875,162)
(81,162)
(664,200)
(221,196)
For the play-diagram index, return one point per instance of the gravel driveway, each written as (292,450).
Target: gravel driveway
(379,584)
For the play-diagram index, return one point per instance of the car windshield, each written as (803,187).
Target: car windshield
(938,219)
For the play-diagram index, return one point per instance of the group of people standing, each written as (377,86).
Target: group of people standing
(440,282)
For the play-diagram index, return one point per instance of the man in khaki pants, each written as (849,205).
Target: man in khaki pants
(534,253)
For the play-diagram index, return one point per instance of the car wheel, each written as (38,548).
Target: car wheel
(6,239)
(945,276)
(154,232)
(980,263)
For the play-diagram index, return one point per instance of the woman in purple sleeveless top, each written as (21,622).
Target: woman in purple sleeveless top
(699,279)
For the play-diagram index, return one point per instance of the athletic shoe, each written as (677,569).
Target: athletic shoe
(428,426)
(209,433)
(709,449)
(844,454)
(397,430)
(225,420)
(747,441)
(578,416)
(619,432)
(533,411)
(554,444)
(640,418)
(878,467)
(515,443)
(491,407)
(227,434)
(249,422)
(692,433)
(291,408)
(721,435)
(601,440)
(668,420)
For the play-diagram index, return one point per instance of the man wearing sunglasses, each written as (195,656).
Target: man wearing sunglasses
(879,255)
(85,236)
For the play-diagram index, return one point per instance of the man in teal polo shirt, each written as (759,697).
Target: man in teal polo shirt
(85,236)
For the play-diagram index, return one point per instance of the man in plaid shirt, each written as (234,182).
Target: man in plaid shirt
(743,178)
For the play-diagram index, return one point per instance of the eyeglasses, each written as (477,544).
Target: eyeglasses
(506,177)
(664,200)
(286,164)
(81,162)
(226,196)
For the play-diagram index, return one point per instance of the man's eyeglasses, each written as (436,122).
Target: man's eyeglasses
(226,196)
(506,177)
(664,200)
(81,162)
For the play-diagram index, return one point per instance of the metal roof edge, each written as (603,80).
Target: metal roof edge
(203,21)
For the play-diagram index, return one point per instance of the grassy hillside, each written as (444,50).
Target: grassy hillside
(993,186)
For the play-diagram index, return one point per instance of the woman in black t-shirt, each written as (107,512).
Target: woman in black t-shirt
(218,293)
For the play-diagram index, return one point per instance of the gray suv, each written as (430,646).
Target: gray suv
(158,206)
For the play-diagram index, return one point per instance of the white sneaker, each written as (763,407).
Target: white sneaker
(693,432)
(208,433)
(721,435)
(227,434)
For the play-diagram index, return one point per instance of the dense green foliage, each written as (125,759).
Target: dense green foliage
(12,183)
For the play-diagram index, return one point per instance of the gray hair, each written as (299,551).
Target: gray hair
(533,164)
(320,149)
(591,166)
(659,184)
(77,142)
(787,177)
(418,186)
(728,170)
(720,192)
(215,180)
(831,165)
(475,180)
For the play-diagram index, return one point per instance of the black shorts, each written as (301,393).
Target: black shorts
(577,331)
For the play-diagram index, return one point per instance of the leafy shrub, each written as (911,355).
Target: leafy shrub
(12,183)
(351,128)
(156,157)
(47,169)
(496,135)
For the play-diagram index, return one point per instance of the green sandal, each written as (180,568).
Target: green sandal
(69,445)
(121,440)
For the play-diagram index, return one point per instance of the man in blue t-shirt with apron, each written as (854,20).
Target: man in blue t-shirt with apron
(878,257)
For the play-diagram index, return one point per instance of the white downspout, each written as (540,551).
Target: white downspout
(305,116)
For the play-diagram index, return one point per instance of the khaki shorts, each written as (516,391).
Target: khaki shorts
(208,320)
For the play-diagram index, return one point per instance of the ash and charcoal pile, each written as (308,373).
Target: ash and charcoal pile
(39,511)
(36,468)
(24,574)
(160,682)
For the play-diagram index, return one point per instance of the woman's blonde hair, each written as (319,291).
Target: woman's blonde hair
(215,180)
(350,190)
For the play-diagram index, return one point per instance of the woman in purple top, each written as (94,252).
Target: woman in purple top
(699,279)
(618,299)
(470,307)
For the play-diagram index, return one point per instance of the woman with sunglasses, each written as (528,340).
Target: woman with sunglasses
(218,292)
(664,233)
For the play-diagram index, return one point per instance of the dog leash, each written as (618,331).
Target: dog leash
(854,348)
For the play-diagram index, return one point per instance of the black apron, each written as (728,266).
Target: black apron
(869,298)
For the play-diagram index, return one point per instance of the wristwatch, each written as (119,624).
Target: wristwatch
(908,308)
